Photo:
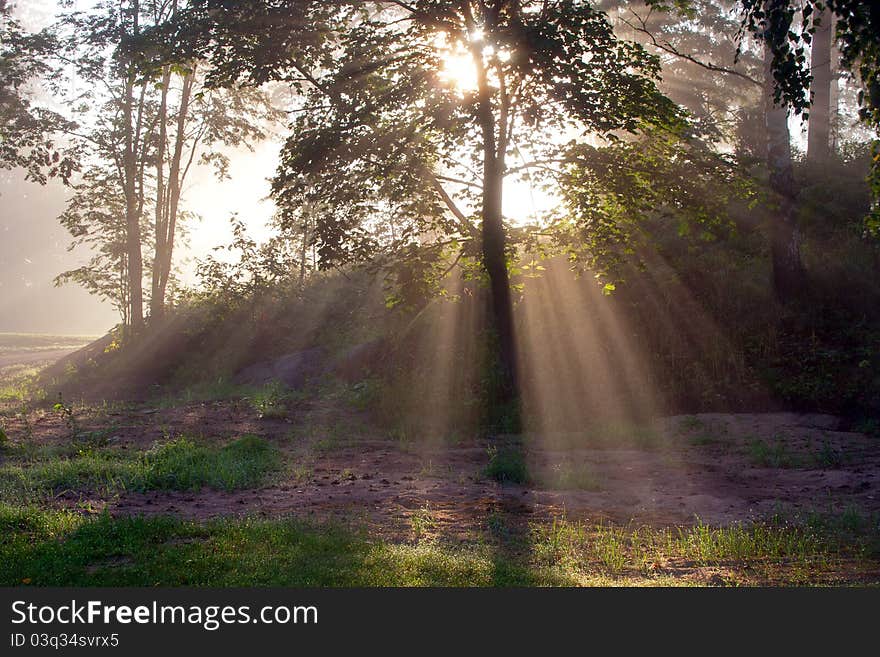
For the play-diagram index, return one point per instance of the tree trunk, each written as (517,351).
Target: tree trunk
(788,269)
(819,136)
(157,305)
(132,217)
(175,184)
(132,205)
(504,398)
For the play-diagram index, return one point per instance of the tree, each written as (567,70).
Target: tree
(785,239)
(95,218)
(28,131)
(819,136)
(385,135)
(155,121)
(858,35)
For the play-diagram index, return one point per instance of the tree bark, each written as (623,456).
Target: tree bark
(505,398)
(819,135)
(175,186)
(156,298)
(785,238)
(132,206)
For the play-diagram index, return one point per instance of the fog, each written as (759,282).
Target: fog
(33,251)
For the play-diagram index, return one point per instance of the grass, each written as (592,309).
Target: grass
(18,384)
(58,548)
(773,454)
(769,551)
(216,390)
(776,454)
(506,465)
(61,548)
(181,464)
(271,401)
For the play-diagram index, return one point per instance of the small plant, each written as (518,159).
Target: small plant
(68,416)
(828,457)
(869,426)
(506,466)
(4,439)
(769,455)
(422,521)
(498,525)
(271,401)
(27,427)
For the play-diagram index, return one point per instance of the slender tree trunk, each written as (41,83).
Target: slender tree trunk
(788,270)
(156,296)
(306,238)
(175,186)
(132,206)
(494,242)
(132,218)
(819,136)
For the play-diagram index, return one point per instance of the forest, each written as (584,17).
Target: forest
(549,293)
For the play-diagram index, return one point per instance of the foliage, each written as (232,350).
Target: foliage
(857,29)
(143,124)
(28,129)
(386,146)
(611,192)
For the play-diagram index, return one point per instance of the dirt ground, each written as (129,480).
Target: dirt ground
(715,468)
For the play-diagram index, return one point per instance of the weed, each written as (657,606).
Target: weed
(27,427)
(870,426)
(506,465)
(422,522)
(770,455)
(270,402)
(68,416)
(828,457)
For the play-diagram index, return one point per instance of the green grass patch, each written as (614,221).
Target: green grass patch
(776,454)
(60,548)
(506,465)
(181,464)
(793,552)
(184,465)
(271,401)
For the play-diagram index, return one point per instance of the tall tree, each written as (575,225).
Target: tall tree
(145,123)
(785,238)
(819,135)
(29,130)
(857,31)
(412,110)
